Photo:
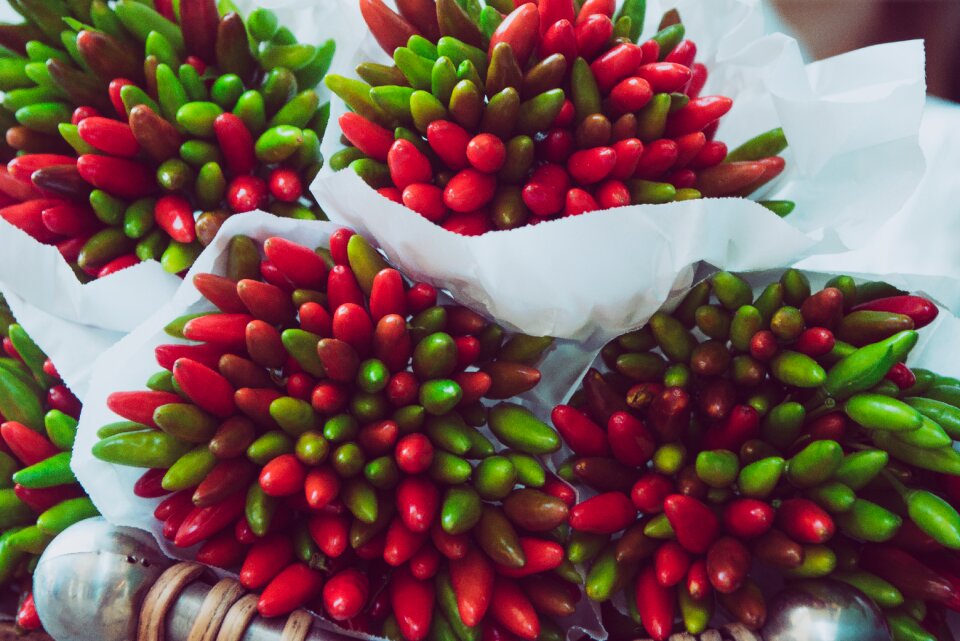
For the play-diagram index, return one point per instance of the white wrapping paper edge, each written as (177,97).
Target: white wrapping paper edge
(854,160)
(130,362)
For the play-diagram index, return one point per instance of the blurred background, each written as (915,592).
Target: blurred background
(831,27)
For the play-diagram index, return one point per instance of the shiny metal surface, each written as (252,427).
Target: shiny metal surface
(824,611)
(91,579)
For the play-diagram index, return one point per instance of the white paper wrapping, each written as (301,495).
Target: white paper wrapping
(129,363)
(854,160)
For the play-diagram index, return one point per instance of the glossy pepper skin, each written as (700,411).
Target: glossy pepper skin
(330,438)
(595,120)
(772,441)
(145,128)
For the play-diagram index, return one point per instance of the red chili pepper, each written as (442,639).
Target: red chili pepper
(511,608)
(345,594)
(671,562)
(486,153)
(372,139)
(331,533)
(630,441)
(593,35)
(412,602)
(698,582)
(246,193)
(338,245)
(388,295)
(655,603)
(748,518)
(283,476)
(468,351)
(222,551)
(128,179)
(545,192)
(236,142)
(294,587)
(205,387)
(315,317)
(581,434)
(615,65)
(426,200)
(202,523)
(23,167)
(469,190)
(28,217)
(27,617)
(449,141)
(922,311)
(468,223)
(342,288)
(597,7)
(149,485)
(42,499)
(181,502)
(265,560)
(541,556)
(553,11)
(902,376)
(741,425)
(612,193)
(425,563)
(628,153)
(592,165)
(109,136)
(352,325)
(69,219)
(227,330)
(452,546)
(728,562)
(407,164)
(82,112)
(414,453)
(559,38)
(206,354)
(401,543)
(712,154)
(472,577)
(630,95)
(140,406)
(650,491)
(658,156)
(914,579)
(695,524)
(697,115)
(579,202)
(763,345)
(519,30)
(418,501)
(805,521)
(558,488)
(603,514)
(683,54)
(664,77)
(285,185)
(421,296)
(118,264)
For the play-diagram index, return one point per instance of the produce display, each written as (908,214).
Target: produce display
(132,133)
(785,429)
(495,116)
(322,433)
(39,495)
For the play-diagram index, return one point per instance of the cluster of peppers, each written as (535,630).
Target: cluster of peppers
(784,429)
(321,432)
(39,495)
(133,133)
(491,120)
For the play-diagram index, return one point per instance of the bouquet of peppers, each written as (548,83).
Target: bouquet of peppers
(39,496)
(132,133)
(785,428)
(495,116)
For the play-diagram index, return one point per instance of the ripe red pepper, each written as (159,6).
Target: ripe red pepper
(469,190)
(425,563)
(559,38)
(922,311)
(728,562)
(388,295)
(697,115)
(672,563)
(615,65)
(294,587)
(414,453)
(128,179)
(345,594)
(449,141)
(401,543)
(222,551)
(630,441)
(612,193)
(472,577)
(541,555)
(418,501)
(748,518)
(650,491)
(149,485)
(227,330)
(741,425)
(579,202)
(109,136)
(426,200)
(352,325)
(593,34)
(285,185)
(205,353)
(203,523)
(694,523)
(28,446)
(236,142)
(331,533)
(603,514)
(42,499)
(370,138)
(655,603)
(265,560)
(901,376)
(205,387)
(590,166)
(283,476)
(512,609)
(581,434)
(805,521)
(140,406)
(342,288)
(486,153)
(913,578)
(698,582)
(408,165)
(519,30)
(412,602)
(27,617)
(452,546)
